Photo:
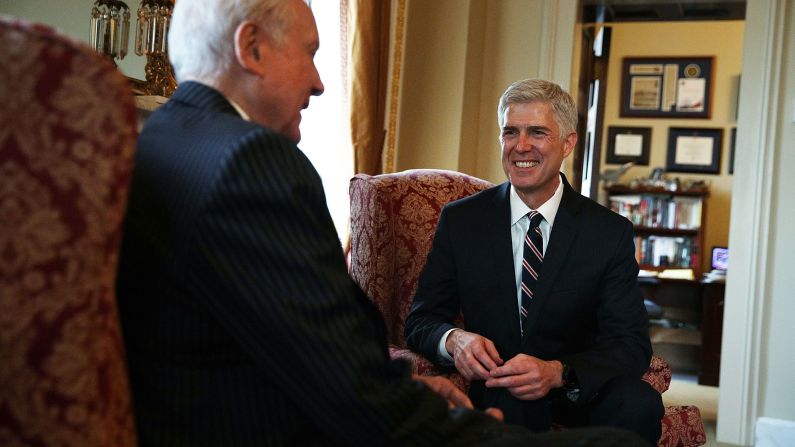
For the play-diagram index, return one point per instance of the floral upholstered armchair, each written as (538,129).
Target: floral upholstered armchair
(67,137)
(393,221)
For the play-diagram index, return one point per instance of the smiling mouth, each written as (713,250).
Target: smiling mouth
(526,164)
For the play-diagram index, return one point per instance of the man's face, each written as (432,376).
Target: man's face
(291,76)
(532,150)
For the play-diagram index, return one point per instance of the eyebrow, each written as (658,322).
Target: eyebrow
(530,127)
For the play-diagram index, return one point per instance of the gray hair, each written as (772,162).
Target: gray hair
(531,90)
(201,33)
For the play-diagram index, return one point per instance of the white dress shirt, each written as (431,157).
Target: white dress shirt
(519,226)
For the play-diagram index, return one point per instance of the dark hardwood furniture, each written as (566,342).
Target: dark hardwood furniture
(687,333)
(713,300)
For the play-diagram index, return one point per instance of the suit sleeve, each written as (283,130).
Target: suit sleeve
(436,303)
(621,345)
(267,263)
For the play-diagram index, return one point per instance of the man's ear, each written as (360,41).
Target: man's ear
(248,37)
(568,143)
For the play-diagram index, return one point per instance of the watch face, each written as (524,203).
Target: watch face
(573,395)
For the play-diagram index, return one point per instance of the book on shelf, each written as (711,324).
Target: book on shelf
(662,251)
(659,211)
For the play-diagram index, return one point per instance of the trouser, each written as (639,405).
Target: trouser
(623,402)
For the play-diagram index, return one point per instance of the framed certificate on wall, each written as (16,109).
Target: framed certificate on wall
(669,87)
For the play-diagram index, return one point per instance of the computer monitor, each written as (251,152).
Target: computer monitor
(720,258)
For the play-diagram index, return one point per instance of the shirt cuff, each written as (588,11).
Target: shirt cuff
(444,356)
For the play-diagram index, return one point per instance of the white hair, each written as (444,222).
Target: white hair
(201,34)
(530,90)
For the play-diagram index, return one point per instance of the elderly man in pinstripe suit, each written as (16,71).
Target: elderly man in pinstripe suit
(241,324)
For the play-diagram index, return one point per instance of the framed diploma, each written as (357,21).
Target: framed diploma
(670,87)
(694,150)
(625,144)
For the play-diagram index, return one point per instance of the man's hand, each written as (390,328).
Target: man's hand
(444,387)
(455,397)
(527,377)
(474,355)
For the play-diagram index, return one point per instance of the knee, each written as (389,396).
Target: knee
(632,404)
(635,398)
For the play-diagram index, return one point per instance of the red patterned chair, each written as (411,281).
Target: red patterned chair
(393,220)
(67,137)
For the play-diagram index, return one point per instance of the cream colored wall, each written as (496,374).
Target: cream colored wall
(511,53)
(724,41)
(433,84)
(73,17)
(459,57)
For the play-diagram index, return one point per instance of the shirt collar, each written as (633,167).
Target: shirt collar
(548,209)
(235,105)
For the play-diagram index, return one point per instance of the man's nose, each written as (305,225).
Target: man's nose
(524,143)
(318,87)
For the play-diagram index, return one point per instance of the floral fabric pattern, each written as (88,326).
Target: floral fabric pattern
(67,138)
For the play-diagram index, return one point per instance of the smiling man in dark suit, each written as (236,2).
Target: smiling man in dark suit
(241,325)
(555,330)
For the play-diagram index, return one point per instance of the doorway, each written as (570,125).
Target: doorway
(688,313)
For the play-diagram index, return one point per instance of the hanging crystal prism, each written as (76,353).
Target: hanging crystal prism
(151,40)
(110,28)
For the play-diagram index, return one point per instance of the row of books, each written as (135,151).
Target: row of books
(656,211)
(666,251)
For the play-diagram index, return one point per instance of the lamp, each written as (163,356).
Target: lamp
(151,40)
(110,33)
(110,28)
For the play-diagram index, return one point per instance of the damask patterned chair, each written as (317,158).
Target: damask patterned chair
(393,221)
(67,137)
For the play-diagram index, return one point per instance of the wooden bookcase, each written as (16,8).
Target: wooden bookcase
(669,225)
(669,233)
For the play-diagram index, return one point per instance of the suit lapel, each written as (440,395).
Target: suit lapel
(502,258)
(564,232)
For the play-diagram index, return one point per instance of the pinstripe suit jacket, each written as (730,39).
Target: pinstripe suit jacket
(241,324)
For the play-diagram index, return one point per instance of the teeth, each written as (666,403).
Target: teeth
(525,164)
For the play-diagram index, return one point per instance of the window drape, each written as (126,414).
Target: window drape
(373,81)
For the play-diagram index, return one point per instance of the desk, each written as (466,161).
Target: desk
(713,301)
(688,334)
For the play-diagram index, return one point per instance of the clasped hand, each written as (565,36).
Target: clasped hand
(455,397)
(526,377)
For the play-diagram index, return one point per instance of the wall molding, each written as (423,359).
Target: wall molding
(556,50)
(747,290)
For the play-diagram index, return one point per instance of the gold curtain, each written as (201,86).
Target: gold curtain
(368,40)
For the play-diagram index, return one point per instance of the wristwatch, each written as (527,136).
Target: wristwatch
(570,384)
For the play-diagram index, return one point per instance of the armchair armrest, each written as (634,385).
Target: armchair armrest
(659,374)
(424,367)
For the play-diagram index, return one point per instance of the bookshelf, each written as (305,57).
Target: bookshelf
(669,225)
(669,234)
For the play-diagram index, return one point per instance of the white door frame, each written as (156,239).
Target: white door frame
(747,290)
(747,283)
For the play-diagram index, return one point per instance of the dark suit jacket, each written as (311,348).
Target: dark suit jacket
(241,324)
(587,309)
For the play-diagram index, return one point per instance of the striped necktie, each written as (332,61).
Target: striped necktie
(532,258)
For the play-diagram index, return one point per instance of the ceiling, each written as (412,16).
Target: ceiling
(661,10)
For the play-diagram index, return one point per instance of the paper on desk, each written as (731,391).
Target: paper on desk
(676,274)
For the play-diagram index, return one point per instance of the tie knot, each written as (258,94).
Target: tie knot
(535,218)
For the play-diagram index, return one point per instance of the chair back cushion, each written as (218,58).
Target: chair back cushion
(67,137)
(393,222)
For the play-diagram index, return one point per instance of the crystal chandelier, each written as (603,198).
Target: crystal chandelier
(110,28)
